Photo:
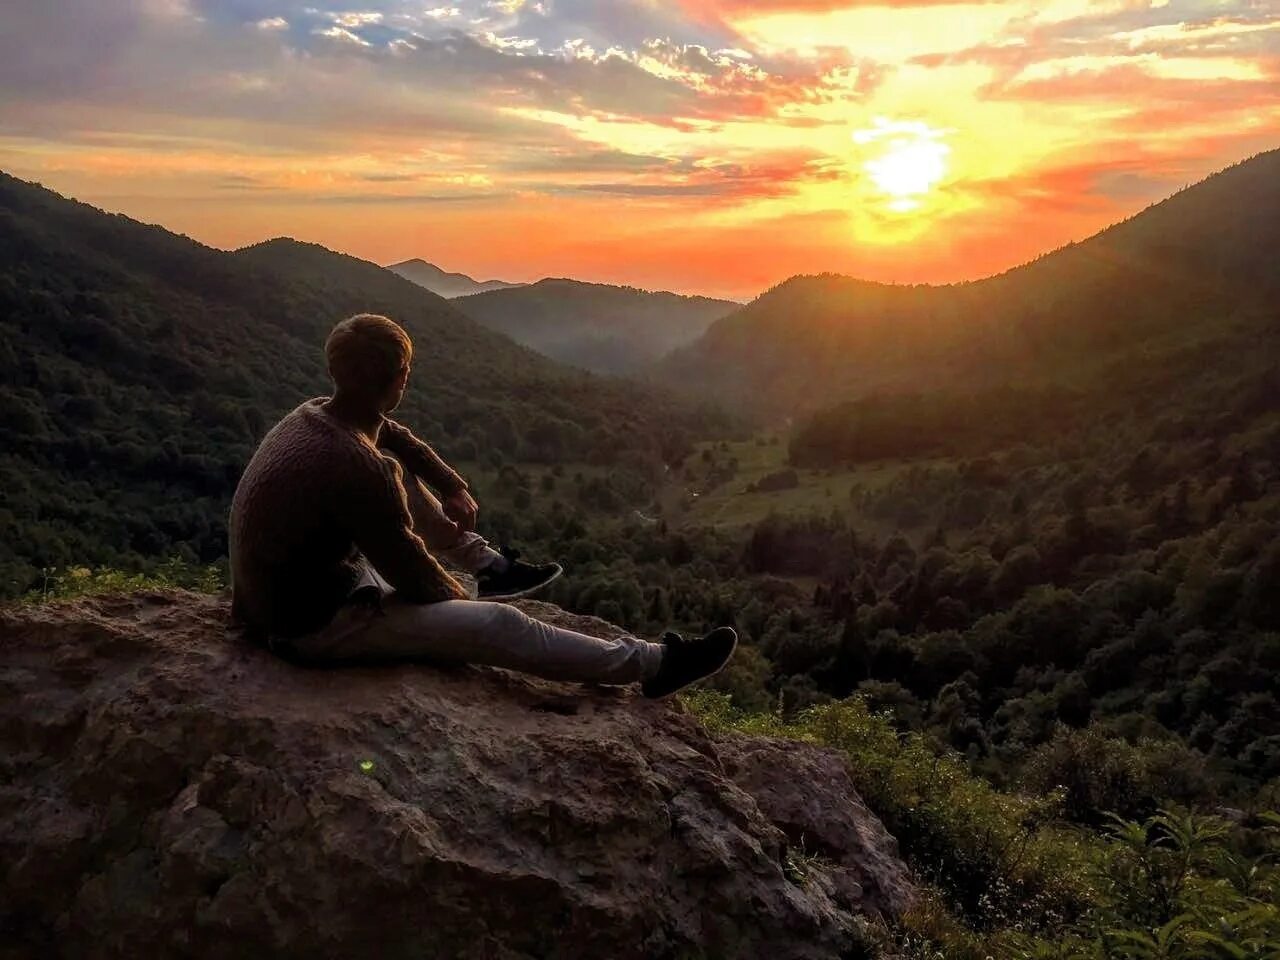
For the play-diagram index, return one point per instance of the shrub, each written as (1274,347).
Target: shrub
(1101,775)
(1010,881)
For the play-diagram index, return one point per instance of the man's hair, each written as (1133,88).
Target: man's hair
(366,352)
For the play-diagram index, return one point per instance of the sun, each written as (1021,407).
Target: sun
(909,160)
(907,170)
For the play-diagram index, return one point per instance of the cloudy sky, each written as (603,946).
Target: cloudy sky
(702,145)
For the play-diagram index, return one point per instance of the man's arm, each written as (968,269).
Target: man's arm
(420,458)
(383,532)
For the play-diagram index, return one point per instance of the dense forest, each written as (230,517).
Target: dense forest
(1122,570)
(1119,583)
(1103,553)
(607,329)
(138,369)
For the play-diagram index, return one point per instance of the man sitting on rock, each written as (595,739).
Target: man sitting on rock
(333,532)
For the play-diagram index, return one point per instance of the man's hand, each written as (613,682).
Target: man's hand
(462,508)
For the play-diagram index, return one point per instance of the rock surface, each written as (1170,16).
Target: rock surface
(807,793)
(167,791)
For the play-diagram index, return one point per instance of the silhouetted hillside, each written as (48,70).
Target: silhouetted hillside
(442,282)
(594,325)
(1184,271)
(139,368)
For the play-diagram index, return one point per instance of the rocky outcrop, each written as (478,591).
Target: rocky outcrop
(807,793)
(167,791)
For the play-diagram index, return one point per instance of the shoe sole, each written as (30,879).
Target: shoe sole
(517,594)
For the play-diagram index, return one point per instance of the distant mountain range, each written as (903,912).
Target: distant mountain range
(1181,275)
(139,368)
(443,283)
(608,329)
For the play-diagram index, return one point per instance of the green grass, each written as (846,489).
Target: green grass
(692,498)
(68,583)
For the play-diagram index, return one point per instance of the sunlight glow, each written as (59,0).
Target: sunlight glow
(710,145)
(910,159)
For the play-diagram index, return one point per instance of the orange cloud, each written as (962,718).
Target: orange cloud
(717,145)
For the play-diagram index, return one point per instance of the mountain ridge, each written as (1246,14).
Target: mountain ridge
(442,282)
(812,340)
(153,364)
(597,326)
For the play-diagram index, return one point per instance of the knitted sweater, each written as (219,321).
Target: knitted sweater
(317,502)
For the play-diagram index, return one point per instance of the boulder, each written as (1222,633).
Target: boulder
(167,790)
(806,792)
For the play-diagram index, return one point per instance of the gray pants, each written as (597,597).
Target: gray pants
(474,631)
(470,631)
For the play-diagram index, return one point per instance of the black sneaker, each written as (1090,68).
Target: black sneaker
(687,661)
(519,579)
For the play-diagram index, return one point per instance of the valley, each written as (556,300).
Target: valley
(605,329)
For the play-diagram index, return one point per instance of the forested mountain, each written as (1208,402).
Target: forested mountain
(1063,560)
(594,325)
(442,282)
(138,369)
(1181,272)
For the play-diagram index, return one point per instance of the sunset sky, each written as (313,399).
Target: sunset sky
(714,146)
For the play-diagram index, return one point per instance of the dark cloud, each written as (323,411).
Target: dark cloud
(463,63)
(623,23)
(145,72)
(191,62)
(65,48)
